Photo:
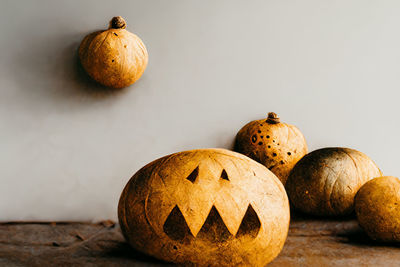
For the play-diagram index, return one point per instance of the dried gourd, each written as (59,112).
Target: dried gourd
(325,181)
(210,207)
(276,145)
(115,57)
(377,206)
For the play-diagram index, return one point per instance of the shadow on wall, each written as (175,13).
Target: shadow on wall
(51,68)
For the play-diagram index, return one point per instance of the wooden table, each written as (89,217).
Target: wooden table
(311,242)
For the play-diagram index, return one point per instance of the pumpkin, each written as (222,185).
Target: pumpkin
(209,207)
(276,145)
(115,57)
(325,181)
(377,206)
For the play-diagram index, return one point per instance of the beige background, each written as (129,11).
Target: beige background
(67,146)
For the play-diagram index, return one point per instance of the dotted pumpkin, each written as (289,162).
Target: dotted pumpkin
(115,57)
(276,145)
(377,208)
(210,207)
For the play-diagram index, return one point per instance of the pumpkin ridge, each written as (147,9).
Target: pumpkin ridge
(87,41)
(355,165)
(217,161)
(144,54)
(152,173)
(102,42)
(123,219)
(331,171)
(234,164)
(146,216)
(331,193)
(125,194)
(165,161)
(122,65)
(142,48)
(128,188)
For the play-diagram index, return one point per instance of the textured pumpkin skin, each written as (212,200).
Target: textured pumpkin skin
(278,146)
(115,57)
(377,205)
(195,236)
(325,181)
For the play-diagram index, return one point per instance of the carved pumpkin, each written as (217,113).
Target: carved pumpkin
(115,57)
(377,206)
(209,207)
(276,145)
(325,181)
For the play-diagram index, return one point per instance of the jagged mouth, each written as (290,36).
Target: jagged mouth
(213,229)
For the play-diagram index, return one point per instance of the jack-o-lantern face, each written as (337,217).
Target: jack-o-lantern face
(211,207)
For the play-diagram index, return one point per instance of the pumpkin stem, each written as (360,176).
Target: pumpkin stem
(117,23)
(273,118)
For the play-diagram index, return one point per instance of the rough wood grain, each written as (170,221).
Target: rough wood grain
(311,242)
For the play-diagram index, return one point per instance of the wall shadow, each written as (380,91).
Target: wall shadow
(50,69)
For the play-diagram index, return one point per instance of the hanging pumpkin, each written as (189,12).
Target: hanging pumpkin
(325,181)
(276,145)
(377,205)
(115,57)
(209,207)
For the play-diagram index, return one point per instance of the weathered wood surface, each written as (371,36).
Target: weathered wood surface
(311,242)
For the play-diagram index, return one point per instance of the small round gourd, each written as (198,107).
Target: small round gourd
(209,207)
(115,57)
(325,181)
(377,205)
(276,145)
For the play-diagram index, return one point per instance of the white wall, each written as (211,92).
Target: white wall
(67,146)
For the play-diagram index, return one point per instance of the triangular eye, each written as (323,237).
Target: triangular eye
(192,177)
(224,175)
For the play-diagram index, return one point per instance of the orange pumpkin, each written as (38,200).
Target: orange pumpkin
(276,145)
(325,181)
(115,57)
(210,207)
(377,208)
